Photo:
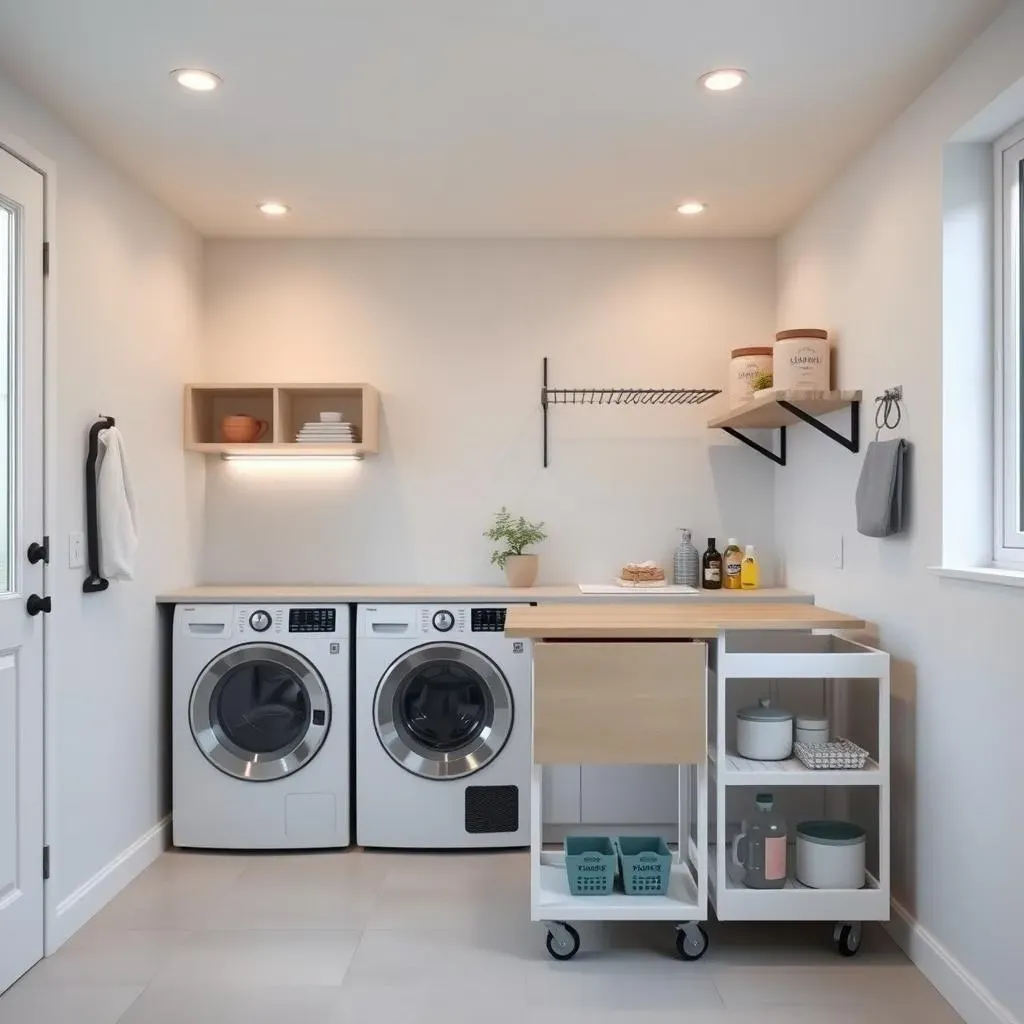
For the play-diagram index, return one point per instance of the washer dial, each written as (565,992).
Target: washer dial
(260,621)
(443,620)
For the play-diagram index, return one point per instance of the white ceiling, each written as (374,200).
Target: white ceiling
(483,117)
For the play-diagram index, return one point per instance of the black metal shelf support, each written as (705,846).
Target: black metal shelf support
(615,396)
(851,443)
(94,582)
(779,457)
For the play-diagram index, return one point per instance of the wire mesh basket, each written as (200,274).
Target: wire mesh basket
(838,754)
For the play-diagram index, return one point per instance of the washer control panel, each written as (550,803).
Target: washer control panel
(488,620)
(442,620)
(312,620)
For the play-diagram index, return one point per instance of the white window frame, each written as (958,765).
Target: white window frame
(1008,506)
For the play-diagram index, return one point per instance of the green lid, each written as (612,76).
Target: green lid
(831,833)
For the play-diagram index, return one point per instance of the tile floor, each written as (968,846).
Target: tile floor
(390,938)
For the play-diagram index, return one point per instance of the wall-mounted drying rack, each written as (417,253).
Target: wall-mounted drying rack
(94,582)
(616,396)
(777,410)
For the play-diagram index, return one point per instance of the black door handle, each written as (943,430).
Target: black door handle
(39,552)
(36,604)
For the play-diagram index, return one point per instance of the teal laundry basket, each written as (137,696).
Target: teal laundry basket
(590,863)
(646,865)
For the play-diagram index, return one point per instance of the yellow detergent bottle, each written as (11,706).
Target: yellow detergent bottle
(749,570)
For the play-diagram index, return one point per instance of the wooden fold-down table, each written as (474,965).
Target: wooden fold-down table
(628,684)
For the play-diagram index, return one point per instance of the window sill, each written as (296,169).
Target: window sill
(982,574)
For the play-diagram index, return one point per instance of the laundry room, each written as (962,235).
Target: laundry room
(494,502)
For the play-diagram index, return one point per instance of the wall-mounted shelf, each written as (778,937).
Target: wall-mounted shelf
(285,408)
(780,409)
(616,396)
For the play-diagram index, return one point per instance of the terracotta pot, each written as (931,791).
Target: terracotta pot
(242,429)
(521,570)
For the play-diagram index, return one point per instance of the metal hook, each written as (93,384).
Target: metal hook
(888,406)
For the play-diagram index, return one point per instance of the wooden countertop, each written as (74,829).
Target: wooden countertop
(698,619)
(423,593)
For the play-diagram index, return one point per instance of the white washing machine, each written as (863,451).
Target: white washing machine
(442,728)
(260,726)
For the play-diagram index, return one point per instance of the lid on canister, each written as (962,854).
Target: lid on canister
(803,332)
(757,351)
(831,833)
(764,712)
(812,722)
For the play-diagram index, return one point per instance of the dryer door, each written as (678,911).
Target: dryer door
(260,712)
(443,711)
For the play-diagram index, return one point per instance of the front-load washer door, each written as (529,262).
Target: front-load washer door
(260,712)
(443,711)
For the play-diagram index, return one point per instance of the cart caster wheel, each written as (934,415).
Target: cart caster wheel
(566,945)
(691,942)
(848,939)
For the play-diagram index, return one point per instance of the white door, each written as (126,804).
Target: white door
(21,523)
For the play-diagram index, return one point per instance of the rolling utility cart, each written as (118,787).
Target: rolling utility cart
(629,684)
(623,703)
(811,659)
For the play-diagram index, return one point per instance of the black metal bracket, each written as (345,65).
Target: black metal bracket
(851,443)
(94,582)
(779,458)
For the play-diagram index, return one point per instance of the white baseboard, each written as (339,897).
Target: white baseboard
(94,894)
(956,984)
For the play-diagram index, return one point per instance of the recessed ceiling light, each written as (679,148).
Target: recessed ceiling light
(723,80)
(196,79)
(272,208)
(691,208)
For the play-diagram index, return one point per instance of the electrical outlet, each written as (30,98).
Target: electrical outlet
(76,550)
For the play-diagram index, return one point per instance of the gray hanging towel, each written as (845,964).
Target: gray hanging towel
(880,489)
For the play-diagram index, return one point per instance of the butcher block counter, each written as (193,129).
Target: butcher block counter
(695,619)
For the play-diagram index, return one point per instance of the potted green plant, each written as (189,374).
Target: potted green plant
(761,382)
(513,536)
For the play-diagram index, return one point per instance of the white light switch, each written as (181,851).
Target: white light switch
(839,554)
(76,550)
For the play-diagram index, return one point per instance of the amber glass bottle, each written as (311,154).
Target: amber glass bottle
(711,567)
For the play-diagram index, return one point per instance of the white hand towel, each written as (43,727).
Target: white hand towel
(118,518)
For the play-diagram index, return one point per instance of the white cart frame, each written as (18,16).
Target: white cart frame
(816,657)
(685,904)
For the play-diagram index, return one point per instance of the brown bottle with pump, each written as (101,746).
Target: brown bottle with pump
(711,567)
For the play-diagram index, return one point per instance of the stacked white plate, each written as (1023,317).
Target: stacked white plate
(326,433)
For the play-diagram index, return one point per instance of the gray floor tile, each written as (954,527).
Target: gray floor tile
(260,959)
(66,1004)
(209,1004)
(111,958)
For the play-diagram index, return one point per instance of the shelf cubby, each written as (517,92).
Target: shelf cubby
(285,408)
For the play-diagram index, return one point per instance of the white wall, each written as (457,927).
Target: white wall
(453,334)
(127,284)
(867,262)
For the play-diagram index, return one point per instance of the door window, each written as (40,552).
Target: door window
(260,707)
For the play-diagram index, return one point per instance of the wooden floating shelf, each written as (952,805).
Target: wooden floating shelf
(780,409)
(284,408)
(765,412)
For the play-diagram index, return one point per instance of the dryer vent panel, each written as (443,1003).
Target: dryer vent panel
(492,809)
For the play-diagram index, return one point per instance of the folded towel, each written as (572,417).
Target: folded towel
(880,489)
(118,519)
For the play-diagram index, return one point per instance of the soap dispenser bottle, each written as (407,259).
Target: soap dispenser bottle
(686,566)
(749,571)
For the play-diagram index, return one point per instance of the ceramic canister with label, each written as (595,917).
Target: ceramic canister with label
(744,366)
(802,360)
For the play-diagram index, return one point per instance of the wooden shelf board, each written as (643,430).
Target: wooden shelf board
(765,411)
(218,448)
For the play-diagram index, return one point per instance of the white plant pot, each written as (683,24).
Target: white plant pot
(521,570)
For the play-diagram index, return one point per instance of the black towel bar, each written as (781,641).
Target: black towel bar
(95,582)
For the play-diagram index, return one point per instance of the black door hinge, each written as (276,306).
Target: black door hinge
(46,863)
(46,259)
